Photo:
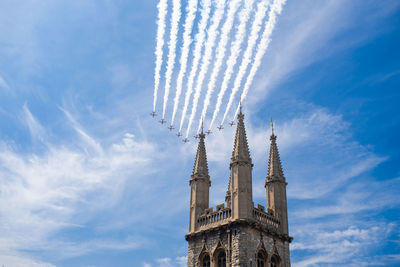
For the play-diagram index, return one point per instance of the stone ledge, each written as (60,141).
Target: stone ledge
(247,222)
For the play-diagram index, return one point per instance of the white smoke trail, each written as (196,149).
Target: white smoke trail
(176,15)
(220,54)
(256,27)
(235,50)
(162,12)
(191,15)
(200,37)
(212,35)
(262,47)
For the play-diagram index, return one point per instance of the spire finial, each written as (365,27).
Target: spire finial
(201,135)
(240,106)
(272,126)
(202,125)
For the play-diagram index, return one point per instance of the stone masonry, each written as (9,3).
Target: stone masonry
(237,233)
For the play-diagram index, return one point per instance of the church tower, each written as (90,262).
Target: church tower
(236,233)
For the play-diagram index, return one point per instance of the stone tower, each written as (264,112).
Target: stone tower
(237,233)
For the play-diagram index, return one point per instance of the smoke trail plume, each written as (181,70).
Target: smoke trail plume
(162,12)
(220,54)
(262,47)
(191,15)
(256,27)
(199,39)
(235,50)
(212,35)
(176,15)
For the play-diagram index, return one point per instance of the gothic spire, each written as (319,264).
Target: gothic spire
(274,163)
(241,147)
(200,165)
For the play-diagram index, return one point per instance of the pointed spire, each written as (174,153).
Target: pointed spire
(274,163)
(200,165)
(228,192)
(241,147)
(202,125)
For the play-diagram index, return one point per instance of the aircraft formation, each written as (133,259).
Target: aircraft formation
(213,48)
(179,134)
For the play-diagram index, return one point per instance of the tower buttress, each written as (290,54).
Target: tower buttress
(275,185)
(199,185)
(239,195)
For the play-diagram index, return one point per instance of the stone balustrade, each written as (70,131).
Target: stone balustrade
(211,217)
(223,214)
(265,218)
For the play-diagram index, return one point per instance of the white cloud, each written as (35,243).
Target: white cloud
(315,141)
(4,84)
(35,128)
(11,258)
(310,32)
(319,156)
(168,262)
(93,144)
(44,193)
(347,246)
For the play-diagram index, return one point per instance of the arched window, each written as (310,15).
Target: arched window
(221,260)
(274,261)
(205,262)
(261,259)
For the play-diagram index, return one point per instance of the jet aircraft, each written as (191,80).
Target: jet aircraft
(153,114)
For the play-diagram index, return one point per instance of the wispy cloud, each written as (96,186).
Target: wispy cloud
(79,129)
(168,262)
(315,37)
(41,193)
(4,84)
(340,246)
(35,128)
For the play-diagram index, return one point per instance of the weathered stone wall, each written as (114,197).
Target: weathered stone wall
(241,243)
(207,242)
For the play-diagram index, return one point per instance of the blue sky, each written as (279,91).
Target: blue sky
(87,178)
